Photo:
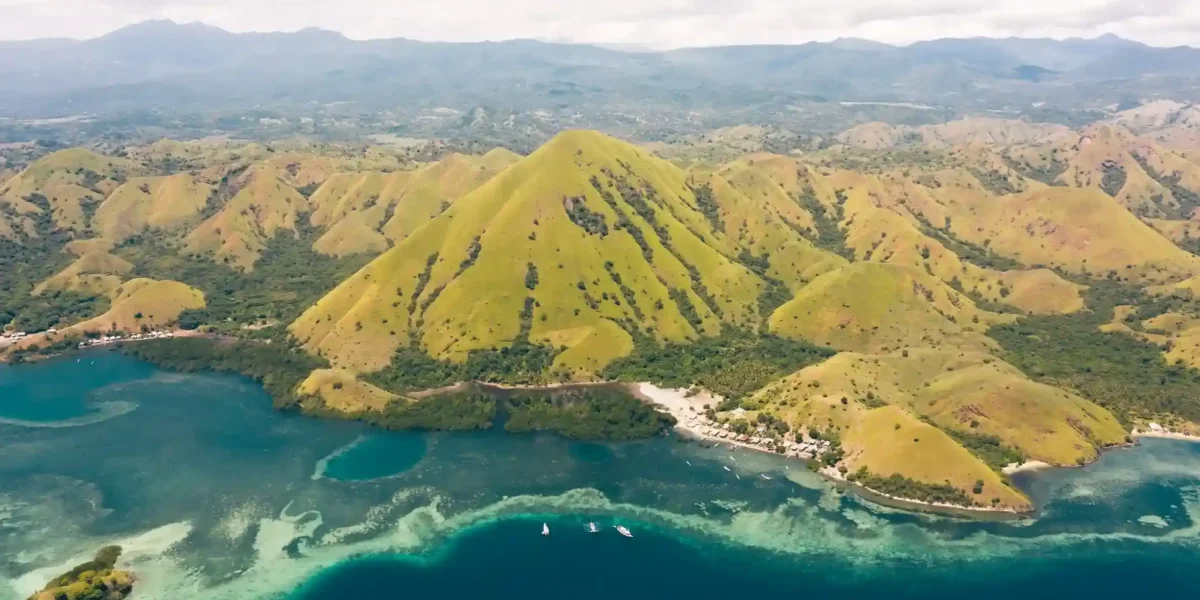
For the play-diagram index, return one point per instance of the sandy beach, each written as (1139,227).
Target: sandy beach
(1029,465)
(686,410)
(1170,435)
(689,412)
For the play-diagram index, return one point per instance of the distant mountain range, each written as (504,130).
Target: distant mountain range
(161,65)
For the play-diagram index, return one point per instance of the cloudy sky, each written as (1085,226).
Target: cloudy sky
(651,23)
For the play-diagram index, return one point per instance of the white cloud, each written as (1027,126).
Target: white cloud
(655,23)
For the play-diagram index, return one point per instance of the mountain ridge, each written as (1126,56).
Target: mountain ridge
(195,67)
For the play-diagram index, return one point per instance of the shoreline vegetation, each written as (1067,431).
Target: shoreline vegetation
(1165,434)
(96,579)
(581,410)
(685,407)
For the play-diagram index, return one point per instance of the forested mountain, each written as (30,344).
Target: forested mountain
(163,66)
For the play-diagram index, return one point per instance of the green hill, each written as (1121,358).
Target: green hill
(67,185)
(366,212)
(581,246)
(874,307)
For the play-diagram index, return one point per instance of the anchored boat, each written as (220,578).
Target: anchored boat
(623,531)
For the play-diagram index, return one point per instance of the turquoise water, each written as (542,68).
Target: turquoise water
(374,456)
(58,394)
(215,495)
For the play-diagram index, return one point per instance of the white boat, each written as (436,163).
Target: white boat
(592,528)
(765,477)
(623,531)
(733,459)
(726,468)
(545,529)
(688,462)
(738,476)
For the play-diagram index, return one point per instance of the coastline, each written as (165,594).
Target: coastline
(686,410)
(466,385)
(940,508)
(688,407)
(1029,465)
(89,344)
(1165,434)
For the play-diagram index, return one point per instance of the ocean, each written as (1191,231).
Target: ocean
(215,495)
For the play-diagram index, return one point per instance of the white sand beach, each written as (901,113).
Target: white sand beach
(1165,434)
(688,410)
(1029,465)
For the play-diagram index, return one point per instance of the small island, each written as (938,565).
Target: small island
(96,579)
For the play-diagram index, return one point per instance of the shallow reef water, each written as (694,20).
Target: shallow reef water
(213,494)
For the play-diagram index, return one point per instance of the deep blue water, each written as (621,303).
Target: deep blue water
(215,495)
(508,560)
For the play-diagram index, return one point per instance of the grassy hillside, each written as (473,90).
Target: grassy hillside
(364,212)
(972,130)
(260,204)
(764,205)
(581,246)
(1099,354)
(150,202)
(1078,230)
(94,273)
(971,393)
(887,219)
(882,307)
(134,306)
(67,185)
(340,390)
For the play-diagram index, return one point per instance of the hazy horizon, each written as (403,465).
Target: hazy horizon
(627,24)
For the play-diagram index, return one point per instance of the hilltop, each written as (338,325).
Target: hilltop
(582,245)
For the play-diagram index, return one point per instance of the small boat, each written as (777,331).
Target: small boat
(765,477)
(726,468)
(592,528)
(733,459)
(738,476)
(623,531)
(689,463)
(545,529)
